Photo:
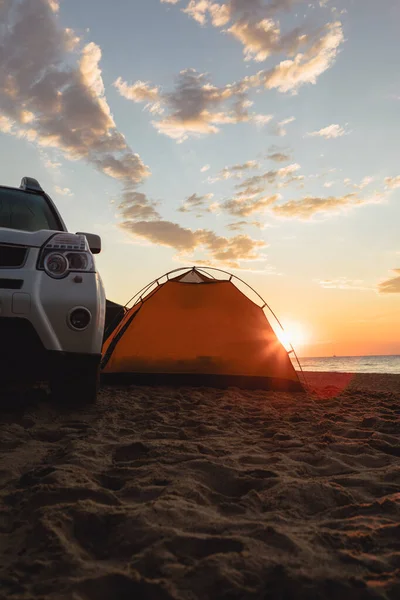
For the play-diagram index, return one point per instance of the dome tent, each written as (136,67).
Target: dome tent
(198,329)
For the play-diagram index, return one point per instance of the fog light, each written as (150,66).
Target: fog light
(79,318)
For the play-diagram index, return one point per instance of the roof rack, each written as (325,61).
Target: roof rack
(30,184)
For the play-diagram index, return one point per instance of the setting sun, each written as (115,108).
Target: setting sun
(294,333)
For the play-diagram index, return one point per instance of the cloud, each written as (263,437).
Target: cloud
(269,177)
(138,92)
(305,67)
(63,103)
(227,251)
(288,170)
(262,38)
(329,132)
(251,197)
(51,164)
(55,5)
(195,107)
(128,168)
(28,134)
(309,206)
(198,203)
(392,285)
(366,181)
(140,218)
(233,10)
(6,124)
(249,165)
(260,193)
(205,168)
(240,207)
(239,225)
(52,92)
(254,25)
(198,10)
(251,24)
(137,206)
(63,191)
(90,70)
(286,121)
(249,190)
(262,120)
(235,171)
(277,155)
(392,183)
(344,284)
(280,128)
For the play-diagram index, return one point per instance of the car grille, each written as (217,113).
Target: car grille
(11,284)
(12,256)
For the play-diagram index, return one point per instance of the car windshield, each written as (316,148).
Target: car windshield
(26,211)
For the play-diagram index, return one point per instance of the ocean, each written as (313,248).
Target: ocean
(351,364)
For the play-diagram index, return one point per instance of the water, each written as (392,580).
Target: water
(352,364)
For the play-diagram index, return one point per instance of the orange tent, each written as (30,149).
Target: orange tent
(198,330)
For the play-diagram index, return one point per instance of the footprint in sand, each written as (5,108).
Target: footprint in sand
(111,482)
(34,477)
(121,586)
(131,452)
(200,547)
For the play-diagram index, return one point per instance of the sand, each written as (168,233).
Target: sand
(204,494)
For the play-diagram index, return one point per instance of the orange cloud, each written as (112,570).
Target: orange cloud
(392,285)
(197,203)
(392,183)
(227,251)
(246,207)
(309,206)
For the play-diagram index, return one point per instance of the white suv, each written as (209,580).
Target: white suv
(52,300)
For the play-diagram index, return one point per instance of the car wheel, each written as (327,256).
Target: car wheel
(73,387)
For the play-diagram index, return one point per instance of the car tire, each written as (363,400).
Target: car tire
(75,387)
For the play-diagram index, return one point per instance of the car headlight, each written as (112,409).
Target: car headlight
(66,253)
(56,265)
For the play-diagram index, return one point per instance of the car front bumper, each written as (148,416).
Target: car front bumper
(30,295)
(23,356)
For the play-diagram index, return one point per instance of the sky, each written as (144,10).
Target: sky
(256,136)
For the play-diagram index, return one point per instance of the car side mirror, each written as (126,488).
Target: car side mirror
(94,241)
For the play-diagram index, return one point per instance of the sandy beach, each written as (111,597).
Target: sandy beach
(204,494)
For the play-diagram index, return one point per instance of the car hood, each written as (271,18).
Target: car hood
(34,239)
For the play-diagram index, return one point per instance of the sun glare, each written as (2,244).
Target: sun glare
(294,333)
